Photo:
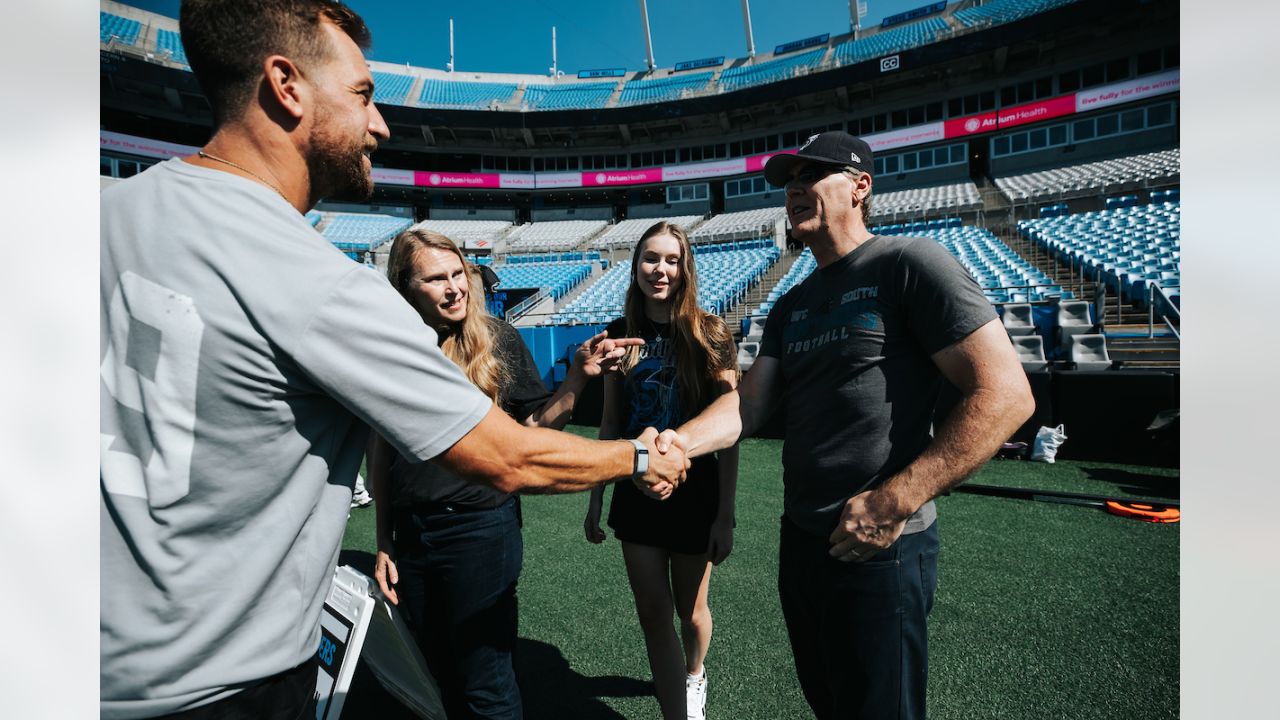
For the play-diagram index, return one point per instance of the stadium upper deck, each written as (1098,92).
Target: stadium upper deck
(155,38)
(1037,85)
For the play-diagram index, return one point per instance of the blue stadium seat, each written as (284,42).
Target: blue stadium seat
(457,93)
(569,95)
(124,30)
(887,42)
(787,66)
(390,88)
(636,92)
(171,42)
(997,12)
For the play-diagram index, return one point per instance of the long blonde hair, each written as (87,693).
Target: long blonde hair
(469,344)
(699,338)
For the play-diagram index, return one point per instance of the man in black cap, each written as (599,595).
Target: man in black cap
(857,354)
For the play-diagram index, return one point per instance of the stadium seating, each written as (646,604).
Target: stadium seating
(950,198)
(1003,275)
(804,265)
(724,277)
(636,92)
(1072,318)
(354,233)
(1091,178)
(460,93)
(461,231)
(313,217)
(626,233)
(568,95)
(1003,11)
(171,42)
(557,278)
(1089,352)
(124,30)
(1126,249)
(747,352)
(742,225)
(390,88)
(1017,319)
(736,78)
(553,235)
(888,42)
(1030,349)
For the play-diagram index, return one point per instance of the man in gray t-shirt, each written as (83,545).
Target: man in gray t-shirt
(857,353)
(243,360)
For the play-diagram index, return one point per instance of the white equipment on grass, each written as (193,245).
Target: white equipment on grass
(358,623)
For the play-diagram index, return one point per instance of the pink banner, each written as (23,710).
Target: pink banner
(1037,111)
(557,180)
(1128,91)
(970,125)
(903,137)
(516,181)
(120,142)
(755,163)
(718,168)
(391,176)
(622,177)
(458,180)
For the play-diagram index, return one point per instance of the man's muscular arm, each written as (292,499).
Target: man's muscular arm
(996,400)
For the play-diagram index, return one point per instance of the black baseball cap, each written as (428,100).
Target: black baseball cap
(833,147)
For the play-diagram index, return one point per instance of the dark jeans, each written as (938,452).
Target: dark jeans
(290,695)
(858,631)
(458,573)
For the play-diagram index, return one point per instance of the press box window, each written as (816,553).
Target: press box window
(1159,115)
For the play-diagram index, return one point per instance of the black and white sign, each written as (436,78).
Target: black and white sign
(889,63)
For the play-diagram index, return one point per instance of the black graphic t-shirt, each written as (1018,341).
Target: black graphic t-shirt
(854,342)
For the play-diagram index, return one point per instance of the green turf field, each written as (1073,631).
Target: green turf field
(1043,610)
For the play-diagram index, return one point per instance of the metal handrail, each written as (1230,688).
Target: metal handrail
(519,309)
(1152,288)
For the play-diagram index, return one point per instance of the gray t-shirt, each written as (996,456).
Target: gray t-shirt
(243,359)
(854,341)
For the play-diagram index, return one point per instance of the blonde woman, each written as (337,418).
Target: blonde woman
(450,552)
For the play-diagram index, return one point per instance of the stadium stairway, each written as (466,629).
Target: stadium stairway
(733,318)
(996,208)
(1129,339)
(596,273)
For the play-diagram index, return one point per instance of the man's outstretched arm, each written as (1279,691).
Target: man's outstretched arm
(503,454)
(733,416)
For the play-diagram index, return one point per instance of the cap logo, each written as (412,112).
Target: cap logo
(854,157)
(808,142)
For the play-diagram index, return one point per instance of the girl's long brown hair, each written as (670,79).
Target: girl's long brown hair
(471,344)
(702,343)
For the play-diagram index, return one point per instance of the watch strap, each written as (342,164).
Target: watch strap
(641,465)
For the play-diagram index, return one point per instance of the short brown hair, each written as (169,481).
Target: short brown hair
(227,40)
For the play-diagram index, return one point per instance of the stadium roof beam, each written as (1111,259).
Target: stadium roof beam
(746,23)
(625,132)
(648,39)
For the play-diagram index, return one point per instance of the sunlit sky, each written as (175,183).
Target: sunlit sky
(514,36)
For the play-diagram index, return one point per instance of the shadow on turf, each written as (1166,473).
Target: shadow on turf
(550,688)
(553,689)
(1136,483)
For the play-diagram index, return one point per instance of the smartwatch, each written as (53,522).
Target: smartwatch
(642,459)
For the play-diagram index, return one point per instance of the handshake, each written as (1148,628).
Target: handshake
(667,463)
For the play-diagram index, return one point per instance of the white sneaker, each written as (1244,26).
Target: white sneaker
(359,496)
(695,696)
